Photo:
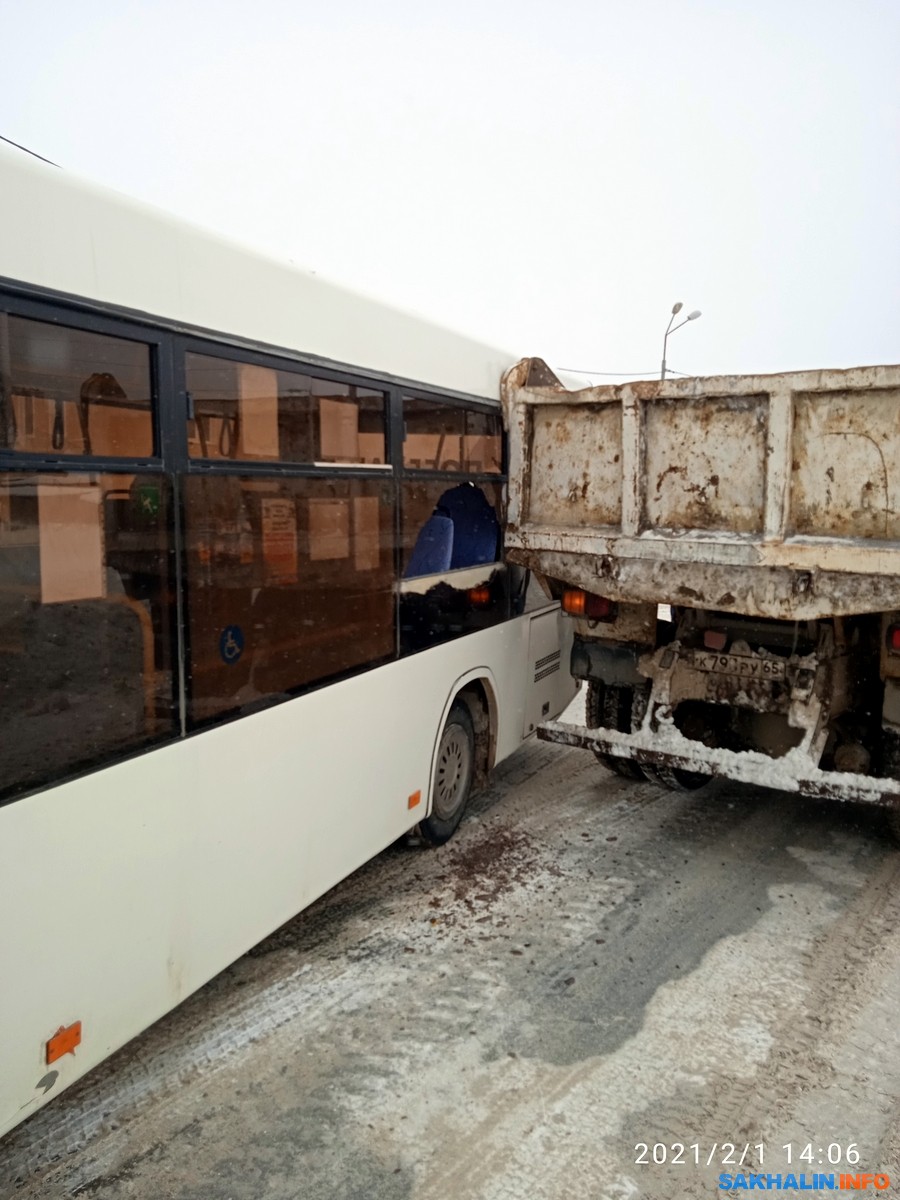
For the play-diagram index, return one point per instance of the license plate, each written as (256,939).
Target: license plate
(739,664)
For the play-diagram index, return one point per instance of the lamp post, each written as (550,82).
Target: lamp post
(676,309)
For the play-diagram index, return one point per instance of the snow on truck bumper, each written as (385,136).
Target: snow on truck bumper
(667,746)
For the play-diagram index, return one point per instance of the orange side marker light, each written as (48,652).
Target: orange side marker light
(63,1042)
(414,800)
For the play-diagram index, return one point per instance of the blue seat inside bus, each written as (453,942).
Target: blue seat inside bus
(476,530)
(463,531)
(433,549)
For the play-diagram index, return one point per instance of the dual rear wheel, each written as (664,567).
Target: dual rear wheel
(610,707)
(613,706)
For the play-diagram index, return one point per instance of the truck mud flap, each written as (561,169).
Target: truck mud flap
(791,773)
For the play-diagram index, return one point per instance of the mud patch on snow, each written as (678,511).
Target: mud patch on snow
(500,860)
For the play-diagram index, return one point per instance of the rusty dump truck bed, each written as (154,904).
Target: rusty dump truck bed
(767,495)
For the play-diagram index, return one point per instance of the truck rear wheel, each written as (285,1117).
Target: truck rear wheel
(609,706)
(676,779)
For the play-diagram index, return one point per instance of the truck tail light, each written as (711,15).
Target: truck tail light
(893,639)
(585,604)
(480,597)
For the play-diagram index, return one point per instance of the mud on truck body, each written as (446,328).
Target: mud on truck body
(729,549)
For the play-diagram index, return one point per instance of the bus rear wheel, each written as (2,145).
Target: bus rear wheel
(454,771)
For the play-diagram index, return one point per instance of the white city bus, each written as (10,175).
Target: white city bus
(254,619)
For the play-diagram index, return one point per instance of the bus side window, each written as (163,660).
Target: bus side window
(85,622)
(73,391)
(453,582)
(448,528)
(448,437)
(253,413)
(289,583)
(476,530)
(462,531)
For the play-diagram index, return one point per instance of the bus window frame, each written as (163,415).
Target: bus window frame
(184,345)
(154,339)
(490,408)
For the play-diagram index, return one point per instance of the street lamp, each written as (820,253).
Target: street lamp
(676,309)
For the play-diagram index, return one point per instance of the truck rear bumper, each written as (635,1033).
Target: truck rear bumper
(669,748)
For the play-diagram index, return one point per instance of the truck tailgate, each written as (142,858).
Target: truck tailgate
(770,495)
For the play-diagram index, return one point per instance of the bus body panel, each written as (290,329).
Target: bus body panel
(129,888)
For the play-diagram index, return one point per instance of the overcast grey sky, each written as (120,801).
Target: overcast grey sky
(547,176)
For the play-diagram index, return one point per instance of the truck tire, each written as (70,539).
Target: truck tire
(453,774)
(676,779)
(608,706)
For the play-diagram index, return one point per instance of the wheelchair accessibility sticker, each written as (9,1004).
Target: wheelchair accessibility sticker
(231,644)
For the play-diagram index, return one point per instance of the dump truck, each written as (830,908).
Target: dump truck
(729,551)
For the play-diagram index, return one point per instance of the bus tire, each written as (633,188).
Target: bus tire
(453,775)
(609,707)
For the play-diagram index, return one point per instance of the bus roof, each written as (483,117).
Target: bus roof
(61,233)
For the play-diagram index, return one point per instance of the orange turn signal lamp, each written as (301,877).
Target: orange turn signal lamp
(479,597)
(578,603)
